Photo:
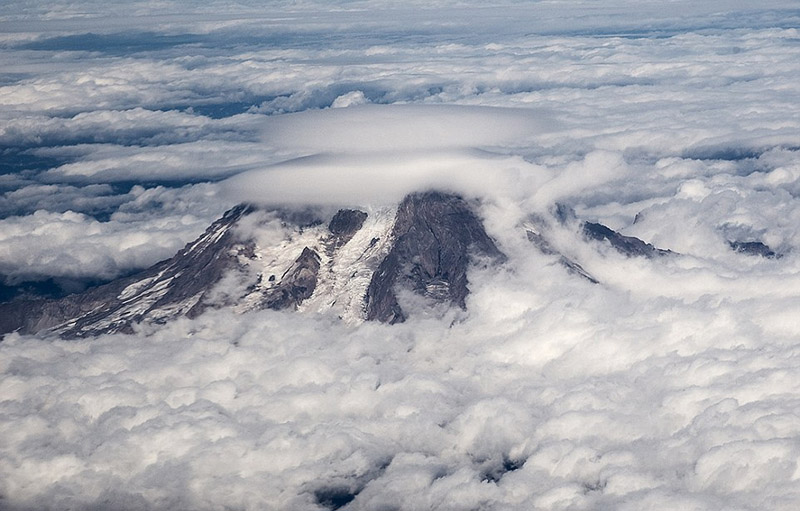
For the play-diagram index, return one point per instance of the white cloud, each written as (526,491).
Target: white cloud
(375,154)
(406,128)
(353,98)
(59,198)
(373,180)
(672,384)
(193,161)
(150,225)
(608,400)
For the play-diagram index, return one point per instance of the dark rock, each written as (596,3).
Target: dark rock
(346,222)
(546,248)
(755,248)
(435,234)
(296,284)
(104,309)
(343,226)
(433,237)
(627,245)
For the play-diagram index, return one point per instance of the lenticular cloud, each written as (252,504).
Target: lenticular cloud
(376,128)
(379,153)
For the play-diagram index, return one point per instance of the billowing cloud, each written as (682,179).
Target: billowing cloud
(150,225)
(672,384)
(552,392)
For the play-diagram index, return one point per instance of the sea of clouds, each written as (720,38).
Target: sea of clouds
(127,128)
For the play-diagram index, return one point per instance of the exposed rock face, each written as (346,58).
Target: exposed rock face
(628,245)
(344,224)
(357,266)
(152,294)
(425,247)
(546,248)
(434,234)
(296,284)
(538,229)
(755,248)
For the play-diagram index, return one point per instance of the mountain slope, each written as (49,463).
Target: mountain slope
(169,288)
(357,265)
(256,259)
(433,233)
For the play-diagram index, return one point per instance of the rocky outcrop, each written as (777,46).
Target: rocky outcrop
(435,235)
(539,230)
(627,245)
(355,266)
(546,248)
(296,284)
(755,248)
(427,251)
(344,224)
(169,288)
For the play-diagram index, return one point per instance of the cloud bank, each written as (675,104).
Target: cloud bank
(130,126)
(552,393)
(149,225)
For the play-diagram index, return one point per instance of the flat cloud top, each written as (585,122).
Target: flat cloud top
(379,153)
(409,128)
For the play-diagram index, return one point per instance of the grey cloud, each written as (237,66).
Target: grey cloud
(130,127)
(180,162)
(96,200)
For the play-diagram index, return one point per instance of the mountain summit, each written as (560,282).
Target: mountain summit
(356,264)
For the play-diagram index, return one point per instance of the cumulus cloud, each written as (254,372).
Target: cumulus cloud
(137,125)
(673,383)
(150,225)
(74,245)
(552,392)
(353,98)
(92,199)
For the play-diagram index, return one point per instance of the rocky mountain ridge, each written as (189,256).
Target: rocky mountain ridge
(357,265)
(354,265)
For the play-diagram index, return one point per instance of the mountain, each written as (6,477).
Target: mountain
(167,289)
(358,265)
(432,237)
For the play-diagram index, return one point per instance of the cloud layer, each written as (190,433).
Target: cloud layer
(126,128)
(552,393)
(148,226)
